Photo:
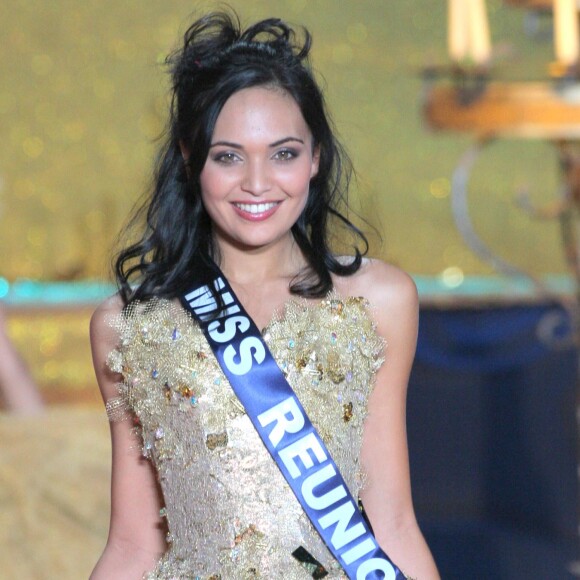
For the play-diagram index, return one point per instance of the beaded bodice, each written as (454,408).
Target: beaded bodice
(230,513)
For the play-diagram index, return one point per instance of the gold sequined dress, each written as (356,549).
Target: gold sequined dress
(230,513)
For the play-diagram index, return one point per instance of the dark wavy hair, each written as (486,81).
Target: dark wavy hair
(218,59)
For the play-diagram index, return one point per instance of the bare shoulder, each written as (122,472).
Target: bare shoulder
(110,306)
(104,339)
(387,288)
(100,318)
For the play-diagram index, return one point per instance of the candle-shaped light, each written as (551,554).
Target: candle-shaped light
(457,29)
(566,31)
(479,38)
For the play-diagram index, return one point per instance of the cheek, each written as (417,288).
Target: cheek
(211,186)
(301,201)
(298,182)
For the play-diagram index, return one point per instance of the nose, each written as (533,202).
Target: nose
(256,179)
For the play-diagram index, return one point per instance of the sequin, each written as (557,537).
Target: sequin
(250,530)
(317,371)
(185,390)
(347,412)
(215,440)
(159,433)
(309,563)
(154,374)
(211,463)
(336,375)
(167,391)
(333,338)
(175,335)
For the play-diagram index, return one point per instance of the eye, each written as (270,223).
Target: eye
(285,155)
(226,158)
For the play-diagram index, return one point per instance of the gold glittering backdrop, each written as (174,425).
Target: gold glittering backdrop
(83,96)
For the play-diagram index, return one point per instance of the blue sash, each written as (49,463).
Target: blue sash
(285,429)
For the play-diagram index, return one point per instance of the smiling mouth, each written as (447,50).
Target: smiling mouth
(257,208)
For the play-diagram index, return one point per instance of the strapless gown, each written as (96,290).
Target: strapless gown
(229,511)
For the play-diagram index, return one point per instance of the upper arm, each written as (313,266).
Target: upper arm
(387,494)
(136,534)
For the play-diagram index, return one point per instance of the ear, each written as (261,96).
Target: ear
(184,150)
(315,161)
(185,153)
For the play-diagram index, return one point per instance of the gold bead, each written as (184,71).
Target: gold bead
(347,412)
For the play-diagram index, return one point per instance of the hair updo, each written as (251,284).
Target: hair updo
(218,59)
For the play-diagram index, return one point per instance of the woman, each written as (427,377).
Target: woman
(249,177)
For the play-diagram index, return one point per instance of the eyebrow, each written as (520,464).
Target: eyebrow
(238,146)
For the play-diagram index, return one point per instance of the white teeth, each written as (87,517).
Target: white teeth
(256,208)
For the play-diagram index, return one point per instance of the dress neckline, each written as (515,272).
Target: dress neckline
(280,314)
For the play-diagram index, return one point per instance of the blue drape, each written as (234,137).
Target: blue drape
(492,442)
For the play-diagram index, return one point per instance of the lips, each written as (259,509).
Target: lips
(256,211)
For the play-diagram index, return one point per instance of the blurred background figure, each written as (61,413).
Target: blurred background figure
(18,391)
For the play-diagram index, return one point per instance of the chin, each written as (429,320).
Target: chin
(255,239)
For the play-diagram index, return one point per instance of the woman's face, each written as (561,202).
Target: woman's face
(255,181)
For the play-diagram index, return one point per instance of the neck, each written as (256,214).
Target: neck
(257,266)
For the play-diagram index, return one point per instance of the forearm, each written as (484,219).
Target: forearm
(407,548)
(17,388)
(123,561)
